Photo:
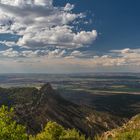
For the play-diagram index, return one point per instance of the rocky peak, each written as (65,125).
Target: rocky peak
(47,88)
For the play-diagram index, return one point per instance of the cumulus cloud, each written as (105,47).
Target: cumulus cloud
(9,53)
(12,53)
(124,57)
(123,51)
(42,25)
(59,36)
(8,43)
(68,7)
(5,20)
(27,2)
(48,33)
(59,60)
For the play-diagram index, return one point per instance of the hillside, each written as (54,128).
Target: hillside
(129,131)
(34,108)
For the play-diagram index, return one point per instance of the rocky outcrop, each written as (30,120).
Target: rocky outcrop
(129,130)
(47,105)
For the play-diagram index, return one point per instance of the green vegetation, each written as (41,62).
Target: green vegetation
(9,129)
(129,131)
(54,131)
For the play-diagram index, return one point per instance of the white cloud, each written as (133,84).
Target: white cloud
(27,2)
(68,7)
(8,43)
(43,2)
(9,53)
(129,58)
(5,20)
(48,35)
(123,51)
(75,54)
(43,25)
(59,36)
(54,61)
(85,37)
(124,57)
(12,53)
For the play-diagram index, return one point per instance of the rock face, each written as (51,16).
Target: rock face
(34,108)
(47,105)
(130,130)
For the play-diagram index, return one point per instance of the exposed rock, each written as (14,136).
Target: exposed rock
(47,105)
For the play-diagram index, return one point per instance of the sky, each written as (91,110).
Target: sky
(69,36)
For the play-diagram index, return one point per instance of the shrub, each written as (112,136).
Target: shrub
(9,129)
(54,131)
